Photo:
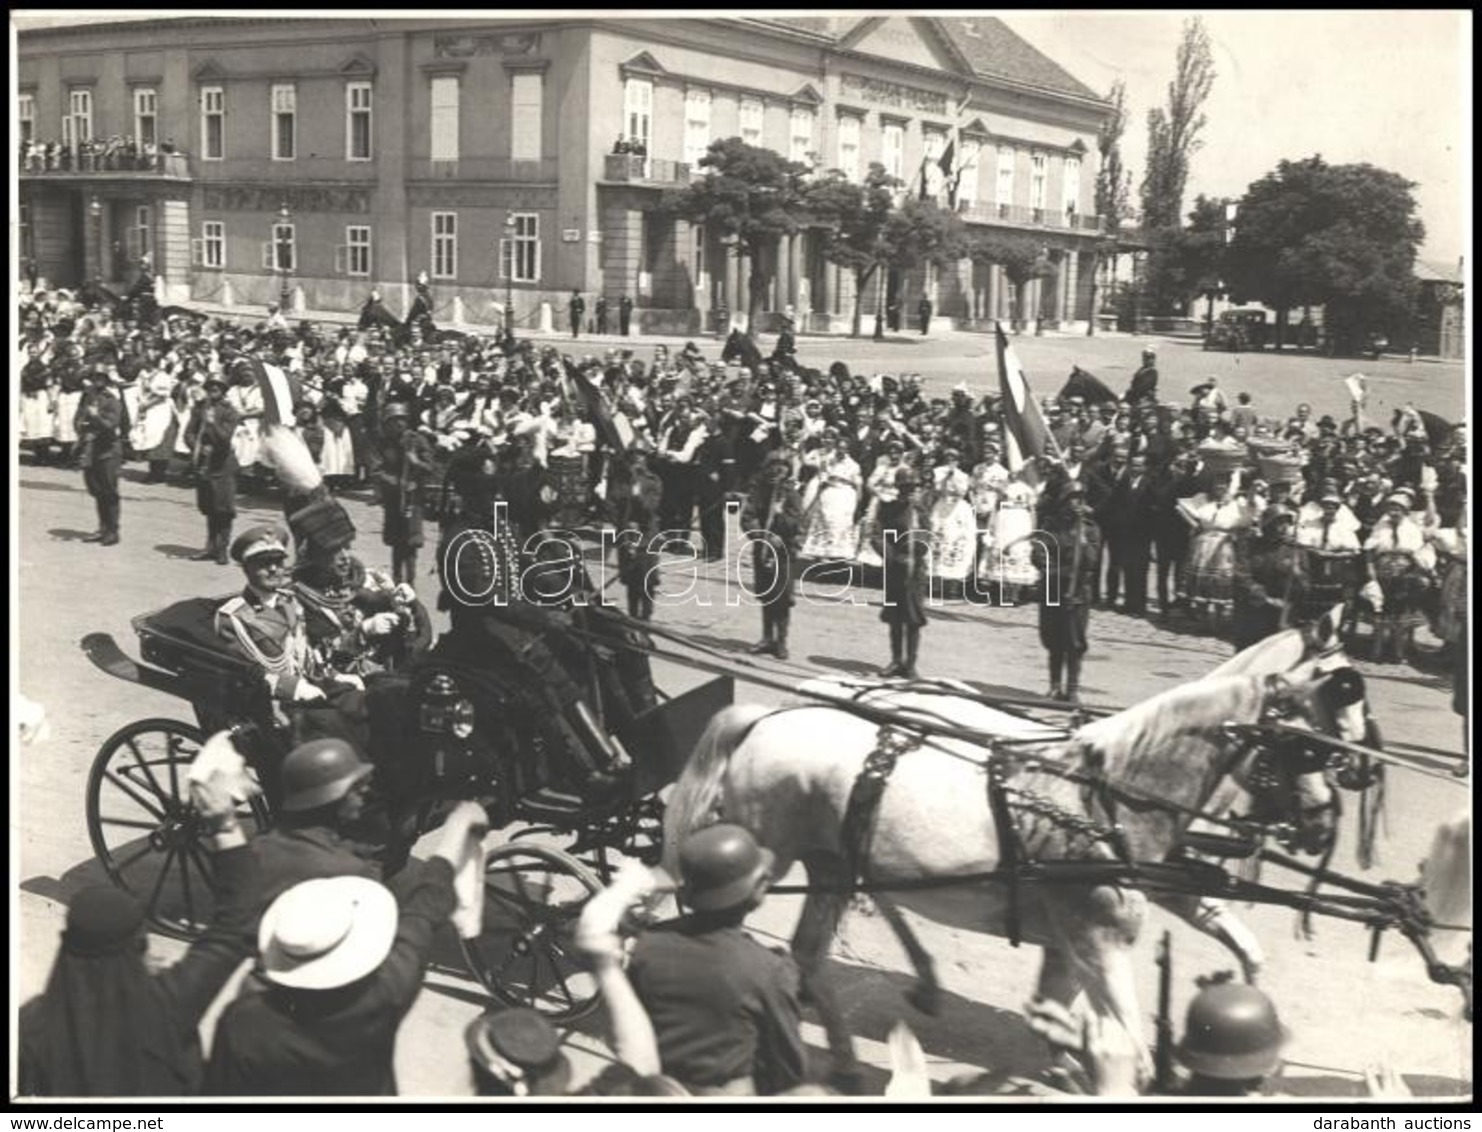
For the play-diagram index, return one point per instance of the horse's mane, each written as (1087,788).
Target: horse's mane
(1151,745)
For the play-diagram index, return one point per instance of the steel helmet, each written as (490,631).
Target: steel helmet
(1232,1033)
(722,866)
(320,772)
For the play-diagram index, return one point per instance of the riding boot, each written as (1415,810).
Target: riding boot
(897,647)
(1073,677)
(765,645)
(1057,664)
(913,645)
(223,538)
(780,651)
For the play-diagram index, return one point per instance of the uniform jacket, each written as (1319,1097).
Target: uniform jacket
(99,423)
(275,636)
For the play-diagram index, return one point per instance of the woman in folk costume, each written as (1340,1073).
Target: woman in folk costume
(154,427)
(985,491)
(829,532)
(38,399)
(954,531)
(1403,561)
(69,371)
(337,456)
(246,398)
(1217,520)
(880,489)
(1009,563)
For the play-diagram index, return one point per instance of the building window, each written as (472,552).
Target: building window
(25,108)
(358,121)
(142,244)
(444,245)
(285,102)
(1072,194)
(146,113)
(849,147)
(800,134)
(1005,194)
(893,148)
(696,125)
(967,172)
(77,126)
(1037,181)
(638,105)
(283,253)
(519,258)
(751,120)
(445,118)
(935,146)
(355,257)
(211,248)
(213,119)
(527,95)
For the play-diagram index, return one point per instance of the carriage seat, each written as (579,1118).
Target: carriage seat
(223,682)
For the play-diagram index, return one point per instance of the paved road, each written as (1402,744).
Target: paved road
(1344,1011)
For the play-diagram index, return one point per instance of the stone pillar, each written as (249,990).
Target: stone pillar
(1072,286)
(796,291)
(990,304)
(172,245)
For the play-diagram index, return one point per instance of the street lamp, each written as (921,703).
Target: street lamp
(283,245)
(95,208)
(509,274)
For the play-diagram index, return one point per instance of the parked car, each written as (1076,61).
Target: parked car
(1238,330)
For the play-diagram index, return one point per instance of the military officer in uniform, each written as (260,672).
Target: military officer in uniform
(405,464)
(774,511)
(1070,579)
(98,426)
(1144,385)
(208,435)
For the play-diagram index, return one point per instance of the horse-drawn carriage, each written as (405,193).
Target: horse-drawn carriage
(443,730)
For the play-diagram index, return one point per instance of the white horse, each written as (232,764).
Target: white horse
(787,776)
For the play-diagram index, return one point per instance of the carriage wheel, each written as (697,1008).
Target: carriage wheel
(145,832)
(525,955)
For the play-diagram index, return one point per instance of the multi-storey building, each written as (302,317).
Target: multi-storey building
(324,157)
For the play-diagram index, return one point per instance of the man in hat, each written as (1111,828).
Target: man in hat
(600,311)
(625,314)
(1068,560)
(516,1053)
(344,967)
(576,307)
(771,521)
(907,570)
(208,435)
(1144,385)
(786,350)
(99,428)
(403,467)
(736,1035)
(923,312)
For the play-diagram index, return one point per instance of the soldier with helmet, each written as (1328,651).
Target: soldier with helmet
(772,517)
(736,1035)
(1067,552)
(99,429)
(208,434)
(906,575)
(404,465)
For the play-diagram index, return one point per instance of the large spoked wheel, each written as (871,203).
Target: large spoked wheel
(525,956)
(146,834)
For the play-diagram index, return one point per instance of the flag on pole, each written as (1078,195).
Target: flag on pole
(604,421)
(1026,435)
(944,163)
(280,391)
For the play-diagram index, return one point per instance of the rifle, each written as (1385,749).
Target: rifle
(1163,1050)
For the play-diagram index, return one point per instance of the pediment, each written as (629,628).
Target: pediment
(357,67)
(977,129)
(208,71)
(807,95)
(906,39)
(642,64)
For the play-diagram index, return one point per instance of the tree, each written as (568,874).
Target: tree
(1022,258)
(1200,251)
(750,197)
(1173,138)
(865,232)
(850,219)
(1113,184)
(1344,236)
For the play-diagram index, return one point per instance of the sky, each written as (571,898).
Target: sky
(1389,88)
(1392,88)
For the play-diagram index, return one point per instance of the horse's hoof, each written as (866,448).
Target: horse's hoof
(926,997)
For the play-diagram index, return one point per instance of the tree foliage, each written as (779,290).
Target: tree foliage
(1344,236)
(1022,258)
(1173,133)
(750,197)
(1113,186)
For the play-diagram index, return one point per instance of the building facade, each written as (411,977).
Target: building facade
(321,158)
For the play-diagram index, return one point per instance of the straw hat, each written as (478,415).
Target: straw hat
(327,933)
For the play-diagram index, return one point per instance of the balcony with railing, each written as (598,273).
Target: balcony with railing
(54,160)
(1019,216)
(629,168)
(541,170)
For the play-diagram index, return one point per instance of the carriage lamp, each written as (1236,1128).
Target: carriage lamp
(445,709)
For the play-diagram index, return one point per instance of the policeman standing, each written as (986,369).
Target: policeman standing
(100,451)
(625,315)
(577,307)
(772,517)
(601,312)
(208,435)
(923,311)
(1144,385)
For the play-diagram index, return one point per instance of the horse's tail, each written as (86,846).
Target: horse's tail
(694,803)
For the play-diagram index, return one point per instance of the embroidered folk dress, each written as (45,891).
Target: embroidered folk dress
(954,532)
(829,530)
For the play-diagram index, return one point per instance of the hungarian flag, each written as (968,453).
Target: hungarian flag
(1025,433)
(944,163)
(280,392)
(608,429)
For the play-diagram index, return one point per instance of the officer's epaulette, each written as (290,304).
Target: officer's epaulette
(232,605)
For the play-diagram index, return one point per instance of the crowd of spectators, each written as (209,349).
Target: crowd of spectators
(116,153)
